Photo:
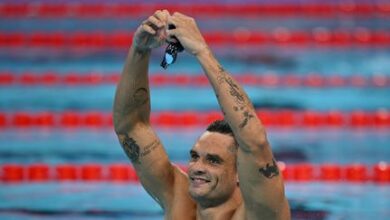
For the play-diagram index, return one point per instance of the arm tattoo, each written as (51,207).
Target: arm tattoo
(234,90)
(221,69)
(221,74)
(140,97)
(150,147)
(270,170)
(131,148)
(236,108)
(247,117)
(133,151)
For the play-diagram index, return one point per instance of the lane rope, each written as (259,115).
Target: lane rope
(127,10)
(120,39)
(282,118)
(378,173)
(198,80)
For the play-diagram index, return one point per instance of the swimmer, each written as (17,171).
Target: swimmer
(232,173)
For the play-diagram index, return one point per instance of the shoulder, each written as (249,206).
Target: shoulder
(243,213)
(181,205)
(239,214)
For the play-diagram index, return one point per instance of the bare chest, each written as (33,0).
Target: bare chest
(191,214)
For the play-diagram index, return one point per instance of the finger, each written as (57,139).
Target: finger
(172,32)
(173,35)
(148,29)
(162,15)
(155,22)
(173,21)
(178,14)
(179,18)
(166,13)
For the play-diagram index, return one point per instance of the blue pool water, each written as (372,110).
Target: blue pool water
(117,201)
(290,145)
(107,200)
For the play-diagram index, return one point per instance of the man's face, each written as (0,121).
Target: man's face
(212,167)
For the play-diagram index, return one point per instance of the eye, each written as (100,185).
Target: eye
(194,156)
(214,160)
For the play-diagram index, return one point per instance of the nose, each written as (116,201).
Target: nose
(197,168)
(198,172)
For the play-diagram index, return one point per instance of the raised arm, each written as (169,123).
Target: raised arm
(132,114)
(260,180)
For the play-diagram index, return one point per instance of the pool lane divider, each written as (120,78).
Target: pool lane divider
(282,118)
(121,39)
(378,173)
(128,10)
(315,80)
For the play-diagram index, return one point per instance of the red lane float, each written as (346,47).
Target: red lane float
(91,172)
(38,172)
(12,173)
(120,39)
(121,173)
(283,118)
(356,173)
(66,172)
(59,40)
(330,172)
(198,80)
(303,172)
(381,172)
(93,10)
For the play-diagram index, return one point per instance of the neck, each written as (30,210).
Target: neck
(223,210)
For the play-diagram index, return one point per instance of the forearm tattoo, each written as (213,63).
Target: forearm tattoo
(235,91)
(133,150)
(240,98)
(247,117)
(270,170)
(221,74)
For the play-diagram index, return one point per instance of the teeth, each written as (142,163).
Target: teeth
(199,180)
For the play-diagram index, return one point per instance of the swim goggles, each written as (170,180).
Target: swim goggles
(171,51)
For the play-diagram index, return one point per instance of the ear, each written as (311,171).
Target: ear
(237,180)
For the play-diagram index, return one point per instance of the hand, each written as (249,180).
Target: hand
(152,32)
(187,32)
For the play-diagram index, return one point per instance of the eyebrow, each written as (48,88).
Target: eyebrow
(215,157)
(193,152)
(212,156)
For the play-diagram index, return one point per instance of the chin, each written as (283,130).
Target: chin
(198,194)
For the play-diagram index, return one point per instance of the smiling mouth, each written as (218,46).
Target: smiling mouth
(198,180)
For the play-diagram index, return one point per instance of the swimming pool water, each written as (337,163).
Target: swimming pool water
(124,201)
(315,145)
